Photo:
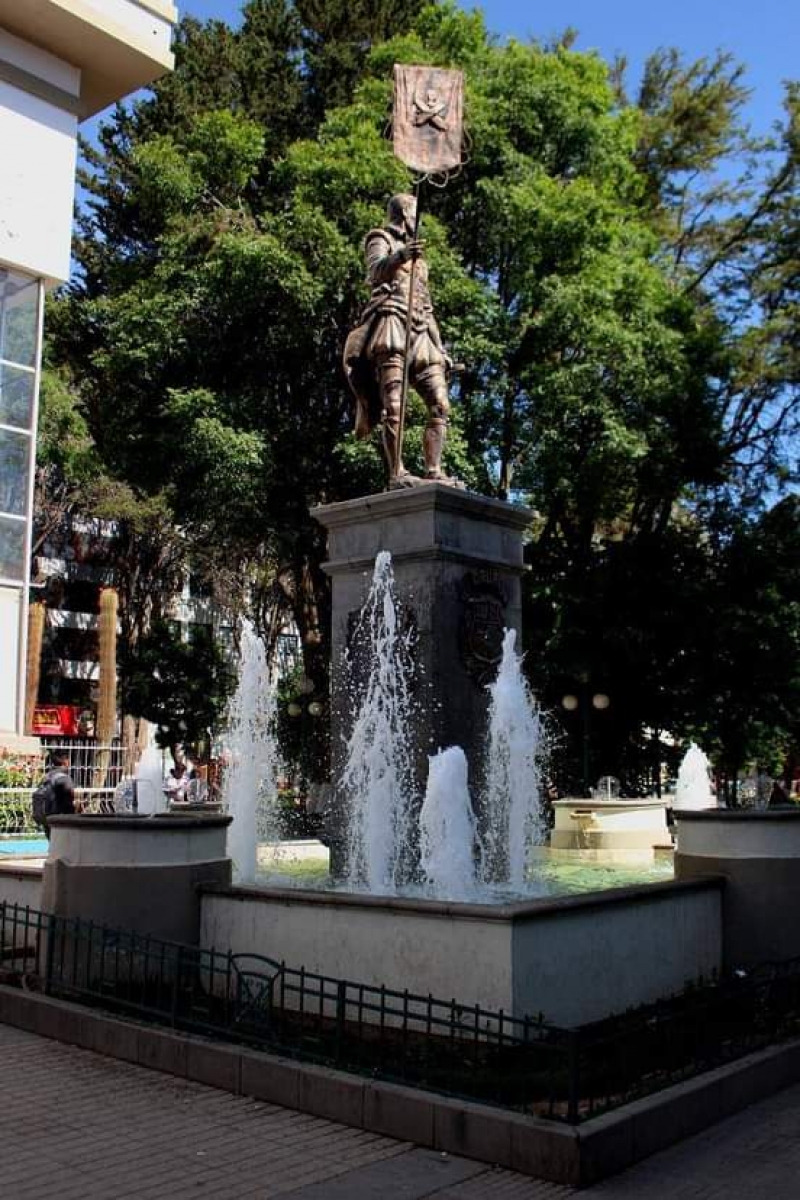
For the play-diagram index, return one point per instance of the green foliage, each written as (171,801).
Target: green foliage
(624,303)
(181,687)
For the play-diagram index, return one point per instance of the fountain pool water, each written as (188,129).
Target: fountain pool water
(545,879)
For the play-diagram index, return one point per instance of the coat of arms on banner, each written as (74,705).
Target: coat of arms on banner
(428,118)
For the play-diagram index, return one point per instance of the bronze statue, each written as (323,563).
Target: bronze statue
(378,348)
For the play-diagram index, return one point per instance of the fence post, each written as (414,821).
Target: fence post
(341,1011)
(51,949)
(574,1070)
(176,986)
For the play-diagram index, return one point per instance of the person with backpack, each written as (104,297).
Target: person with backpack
(55,795)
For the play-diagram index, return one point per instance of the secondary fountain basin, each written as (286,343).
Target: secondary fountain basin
(136,873)
(757,851)
(610,831)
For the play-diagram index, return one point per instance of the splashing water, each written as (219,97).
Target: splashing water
(693,789)
(448,828)
(150,798)
(389,844)
(249,785)
(512,818)
(377,775)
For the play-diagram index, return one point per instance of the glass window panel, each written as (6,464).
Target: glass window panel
(14,451)
(16,396)
(12,549)
(19,312)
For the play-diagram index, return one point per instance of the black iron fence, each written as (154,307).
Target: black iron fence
(446,1046)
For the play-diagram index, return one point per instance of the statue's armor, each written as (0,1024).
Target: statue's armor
(375,351)
(388,304)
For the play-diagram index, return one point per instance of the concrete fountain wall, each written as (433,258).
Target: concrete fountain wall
(135,873)
(573,959)
(757,852)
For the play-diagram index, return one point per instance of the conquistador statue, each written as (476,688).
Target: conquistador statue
(374,353)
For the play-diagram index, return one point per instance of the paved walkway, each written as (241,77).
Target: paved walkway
(78,1126)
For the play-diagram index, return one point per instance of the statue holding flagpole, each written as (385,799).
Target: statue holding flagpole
(397,342)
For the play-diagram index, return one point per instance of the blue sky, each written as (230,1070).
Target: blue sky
(764,34)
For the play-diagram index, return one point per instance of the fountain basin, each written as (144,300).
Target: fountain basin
(136,873)
(610,830)
(635,944)
(757,851)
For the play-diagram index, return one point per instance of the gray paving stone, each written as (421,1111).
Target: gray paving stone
(409,1176)
(77,1124)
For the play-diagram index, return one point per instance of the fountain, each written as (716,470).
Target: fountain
(448,829)
(249,782)
(428,892)
(376,781)
(693,789)
(386,831)
(512,814)
(150,798)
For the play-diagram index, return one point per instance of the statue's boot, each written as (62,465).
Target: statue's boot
(433,441)
(399,477)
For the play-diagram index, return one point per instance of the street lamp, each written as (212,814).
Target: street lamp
(585,702)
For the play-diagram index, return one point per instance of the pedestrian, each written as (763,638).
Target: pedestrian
(55,795)
(779,797)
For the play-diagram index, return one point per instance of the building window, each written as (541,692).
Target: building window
(20,332)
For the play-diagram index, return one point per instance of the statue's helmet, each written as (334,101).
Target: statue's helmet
(402,209)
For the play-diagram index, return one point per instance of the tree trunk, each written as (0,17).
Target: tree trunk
(36,619)
(107,700)
(129,755)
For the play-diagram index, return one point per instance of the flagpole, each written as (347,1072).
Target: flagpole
(409,324)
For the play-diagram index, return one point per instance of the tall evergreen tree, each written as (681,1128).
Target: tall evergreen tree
(625,319)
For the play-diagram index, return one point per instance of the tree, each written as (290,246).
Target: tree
(626,321)
(181,687)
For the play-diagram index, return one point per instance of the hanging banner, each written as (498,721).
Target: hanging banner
(428,118)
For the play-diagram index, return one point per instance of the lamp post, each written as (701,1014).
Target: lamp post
(584,703)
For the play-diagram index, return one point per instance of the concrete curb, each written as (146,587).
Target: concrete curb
(579,1155)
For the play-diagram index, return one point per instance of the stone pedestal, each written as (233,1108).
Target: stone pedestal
(457,561)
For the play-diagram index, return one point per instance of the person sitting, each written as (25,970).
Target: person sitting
(176,784)
(197,788)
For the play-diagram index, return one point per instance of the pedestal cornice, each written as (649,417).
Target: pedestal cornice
(429,497)
(426,524)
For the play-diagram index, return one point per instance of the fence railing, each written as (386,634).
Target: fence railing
(441,1045)
(458,1049)
(91,764)
(16,807)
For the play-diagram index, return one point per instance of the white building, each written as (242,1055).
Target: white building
(61,61)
